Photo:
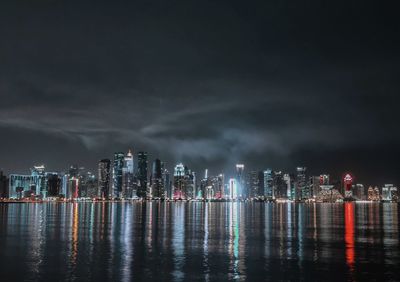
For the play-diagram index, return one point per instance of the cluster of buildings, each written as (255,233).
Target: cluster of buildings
(131,177)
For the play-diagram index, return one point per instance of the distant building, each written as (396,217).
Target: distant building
(118,165)
(233,189)
(54,185)
(157,184)
(302,187)
(142,174)
(290,186)
(373,194)
(104,178)
(240,181)
(358,191)
(128,177)
(184,182)
(253,184)
(279,186)
(389,193)
(166,181)
(3,185)
(268,185)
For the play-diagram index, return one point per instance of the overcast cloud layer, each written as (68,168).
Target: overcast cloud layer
(210,83)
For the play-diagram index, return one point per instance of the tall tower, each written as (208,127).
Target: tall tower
(157,185)
(240,181)
(104,179)
(117,174)
(268,184)
(302,186)
(128,176)
(179,181)
(142,174)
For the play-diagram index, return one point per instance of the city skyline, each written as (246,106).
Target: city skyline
(133,176)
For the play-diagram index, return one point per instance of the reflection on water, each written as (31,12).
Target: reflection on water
(199,241)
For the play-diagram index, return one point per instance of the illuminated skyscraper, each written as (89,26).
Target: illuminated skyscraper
(157,184)
(359,192)
(389,193)
(142,174)
(240,181)
(290,186)
(184,182)
(279,186)
(128,190)
(302,187)
(268,185)
(167,181)
(233,189)
(253,184)
(117,174)
(104,179)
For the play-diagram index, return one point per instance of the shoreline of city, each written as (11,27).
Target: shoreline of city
(276,201)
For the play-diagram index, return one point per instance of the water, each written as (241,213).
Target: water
(199,242)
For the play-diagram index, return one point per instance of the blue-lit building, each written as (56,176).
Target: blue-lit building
(268,184)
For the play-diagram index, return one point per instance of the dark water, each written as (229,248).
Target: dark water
(199,242)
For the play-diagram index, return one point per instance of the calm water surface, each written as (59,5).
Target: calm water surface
(199,242)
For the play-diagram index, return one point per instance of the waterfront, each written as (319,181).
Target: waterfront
(195,241)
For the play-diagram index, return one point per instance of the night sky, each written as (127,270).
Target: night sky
(271,84)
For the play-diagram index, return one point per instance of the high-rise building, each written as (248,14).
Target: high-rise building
(142,174)
(117,174)
(389,193)
(279,186)
(157,183)
(240,181)
(167,181)
(253,184)
(90,183)
(128,177)
(290,186)
(54,183)
(302,187)
(347,184)
(3,185)
(314,183)
(358,191)
(104,179)
(373,194)
(232,189)
(73,188)
(268,185)
(184,182)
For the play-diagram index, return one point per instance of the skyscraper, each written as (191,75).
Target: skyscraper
(128,190)
(167,181)
(117,174)
(142,174)
(268,185)
(104,178)
(157,185)
(279,186)
(184,182)
(253,184)
(240,181)
(3,185)
(302,187)
(232,189)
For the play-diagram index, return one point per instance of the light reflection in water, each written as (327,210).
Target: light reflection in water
(349,235)
(199,241)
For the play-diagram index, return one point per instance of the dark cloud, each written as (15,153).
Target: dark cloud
(268,83)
